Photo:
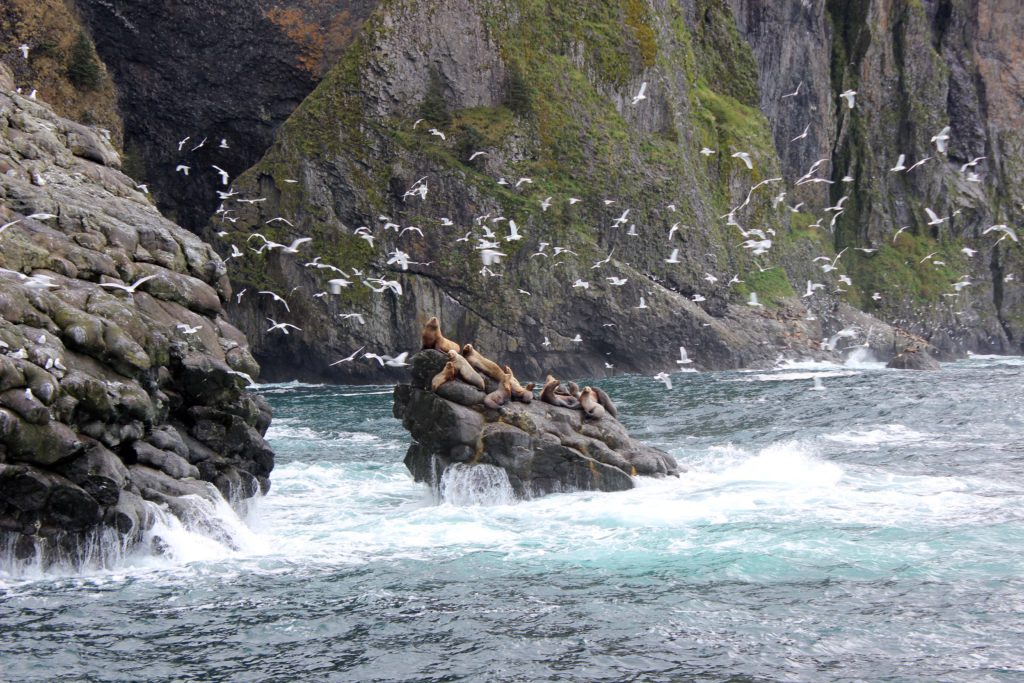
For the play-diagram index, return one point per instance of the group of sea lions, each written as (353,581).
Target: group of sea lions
(470,366)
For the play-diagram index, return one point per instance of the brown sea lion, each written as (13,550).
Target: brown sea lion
(604,399)
(548,395)
(501,395)
(431,337)
(589,403)
(519,392)
(482,363)
(446,375)
(465,370)
(574,389)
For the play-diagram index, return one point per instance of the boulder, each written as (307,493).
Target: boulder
(540,447)
(913,358)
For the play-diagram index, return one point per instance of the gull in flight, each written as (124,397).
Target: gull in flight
(745,158)
(707,151)
(905,227)
(574,200)
(795,92)
(127,288)
(1003,228)
(643,304)
(752,301)
(396,361)
(970,252)
(919,163)
(275,297)
(598,264)
(474,155)
(640,95)
(358,317)
(182,168)
(223,174)
(683,358)
(181,143)
(513,232)
(899,164)
(577,339)
(545,203)
(941,139)
(435,131)
(934,220)
(850,97)
(524,180)
(811,287)
(281,326)
(279,218)
(664,379)
(188,330)
(617,281)
(24,50)
(802,135)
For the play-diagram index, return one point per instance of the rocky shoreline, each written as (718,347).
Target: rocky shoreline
(122,384)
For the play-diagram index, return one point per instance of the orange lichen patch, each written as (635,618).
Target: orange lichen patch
(320,41)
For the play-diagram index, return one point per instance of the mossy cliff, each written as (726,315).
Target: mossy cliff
(116,406)
(546,90)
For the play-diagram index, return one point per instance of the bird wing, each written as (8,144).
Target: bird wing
(931,214)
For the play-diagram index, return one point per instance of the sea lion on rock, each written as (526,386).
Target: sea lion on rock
(446,375)
(548,395)
(574,389)
(500,396)
(519,392)
(589,403)
(605,400)
(431,337)
(465,370)
(483,364)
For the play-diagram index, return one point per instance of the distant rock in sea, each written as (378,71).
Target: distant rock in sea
(541,447)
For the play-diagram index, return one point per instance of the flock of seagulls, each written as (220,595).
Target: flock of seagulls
(493,236)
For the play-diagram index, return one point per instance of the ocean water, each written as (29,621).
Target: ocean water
(836,523)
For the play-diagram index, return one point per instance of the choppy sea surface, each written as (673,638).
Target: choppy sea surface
(837,523)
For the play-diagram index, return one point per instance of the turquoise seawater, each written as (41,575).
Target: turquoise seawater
(872,529)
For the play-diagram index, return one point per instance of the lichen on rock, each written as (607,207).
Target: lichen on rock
(114,403)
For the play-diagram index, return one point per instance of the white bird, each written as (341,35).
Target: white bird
(850,97)
(24,50)
(811,287)
(970,252)
(697,298)
(275,297)
(672,231)
(745,158)
(235,252)
(412,228)
(437,133)
(224,144)
(281,326)
(928,257)
(641,95)
(752,301)
(238,297)
(546,343)
(971,164)
(674,258)
(802,135)
(223,174)
(199,145)
(337,284)
(574,200)
(580,284)
(935,220)
(188,330)
(280,219)
(347,358)
(396,361)
(358,317)
(710,278)
(127,288)
(524,180)
(1003,228)
(905,227)
(616,281)
(577,339)
(683,358)
(181,143)
(182,168)
(899,164)
(474,155)
(664,379)
(919,163)
(632,230)
(795,92)
(513,232)
(941,139)
(706,151)
(643,304)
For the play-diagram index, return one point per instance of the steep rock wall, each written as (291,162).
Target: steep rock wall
(115,405)
(546,91)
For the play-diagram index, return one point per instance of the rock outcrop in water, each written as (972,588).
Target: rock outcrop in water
(542,448)
(113,395)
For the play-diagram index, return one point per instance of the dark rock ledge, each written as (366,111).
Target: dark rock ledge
(114,405)
(542,448)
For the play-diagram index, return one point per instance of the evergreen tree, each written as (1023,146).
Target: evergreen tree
(434,108)
(84,70)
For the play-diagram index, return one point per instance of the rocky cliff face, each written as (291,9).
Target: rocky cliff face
(387,141)
(211,71)
(121,382)
(917,67)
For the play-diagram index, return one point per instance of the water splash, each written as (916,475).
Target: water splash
(463,484)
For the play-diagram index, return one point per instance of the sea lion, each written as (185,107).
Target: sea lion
(465,370)
(519,392)
(446,375)
(501,395)
(589,403)
(604,399)
(574,389)
(482,363)
(431,337)
(548,395)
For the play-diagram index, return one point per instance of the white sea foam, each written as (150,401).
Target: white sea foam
(885,434)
